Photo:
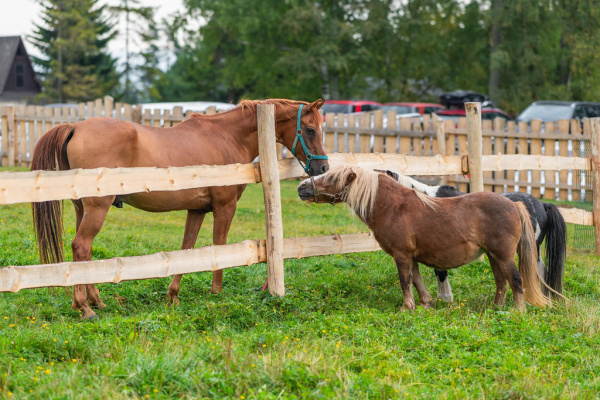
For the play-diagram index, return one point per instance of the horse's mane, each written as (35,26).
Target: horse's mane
(361,193)
(281,105)
(418,188)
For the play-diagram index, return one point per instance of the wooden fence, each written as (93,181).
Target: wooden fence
(380,132)
(40,186)
(22,126)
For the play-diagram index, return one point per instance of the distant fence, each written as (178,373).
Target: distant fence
(46,185)
(22,126)
(380,132)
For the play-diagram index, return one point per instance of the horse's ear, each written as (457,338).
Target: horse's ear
(350,177)
(316,105)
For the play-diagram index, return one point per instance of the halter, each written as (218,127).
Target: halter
(309,157)
(338,196)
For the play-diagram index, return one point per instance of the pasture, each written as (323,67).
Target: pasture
(338,332)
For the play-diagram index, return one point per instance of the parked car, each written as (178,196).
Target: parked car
(458,98)
(486,113)
(349,106)
(407,108)
(549,110)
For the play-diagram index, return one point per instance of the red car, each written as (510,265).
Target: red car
(349,106)
(407,108)
(486,113)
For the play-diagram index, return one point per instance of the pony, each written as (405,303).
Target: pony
(546,219)
(442,233)
(225,138)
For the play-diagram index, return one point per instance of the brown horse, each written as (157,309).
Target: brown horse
(227,138)
(443,233)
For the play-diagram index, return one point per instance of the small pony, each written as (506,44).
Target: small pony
(546,219)
(440,233)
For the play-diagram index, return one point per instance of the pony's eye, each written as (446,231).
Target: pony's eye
(310,131)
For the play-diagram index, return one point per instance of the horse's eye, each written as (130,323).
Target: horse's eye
(310,131)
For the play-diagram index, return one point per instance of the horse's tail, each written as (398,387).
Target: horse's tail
(556,247)
(50,155)
(527,251)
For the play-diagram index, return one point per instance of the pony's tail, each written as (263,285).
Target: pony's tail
(556,248)
(527,251)
(49,155)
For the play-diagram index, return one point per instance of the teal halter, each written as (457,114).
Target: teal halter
(309,157)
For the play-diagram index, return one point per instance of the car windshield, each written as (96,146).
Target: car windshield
(337,108)
(546,112)
(398,109)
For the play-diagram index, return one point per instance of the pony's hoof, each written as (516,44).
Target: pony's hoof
(173,301)
(91,317)
(99,306)
(446,299)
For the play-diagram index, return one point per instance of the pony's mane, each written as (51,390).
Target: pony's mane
(281,105)
(361,193)
(418,188)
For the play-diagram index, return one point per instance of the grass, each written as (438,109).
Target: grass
(338,332)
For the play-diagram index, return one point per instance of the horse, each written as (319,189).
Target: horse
(225,138)
(442,233)
(548,223)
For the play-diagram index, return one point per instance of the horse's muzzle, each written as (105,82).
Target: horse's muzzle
(318,167)
(305,191)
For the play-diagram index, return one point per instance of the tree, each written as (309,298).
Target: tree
(73,37)
(137,20)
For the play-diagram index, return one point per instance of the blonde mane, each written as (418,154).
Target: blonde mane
(362,191)
(410,183)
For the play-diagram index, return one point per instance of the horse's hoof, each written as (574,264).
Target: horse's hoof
(99,306)
(173,301)
(92,317)
(446,299)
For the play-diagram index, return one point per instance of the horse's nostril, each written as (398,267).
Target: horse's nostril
(324,168)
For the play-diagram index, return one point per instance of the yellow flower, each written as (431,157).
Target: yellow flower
(48,371)
(264,345)
(5,317)
(66,341)
(74,360)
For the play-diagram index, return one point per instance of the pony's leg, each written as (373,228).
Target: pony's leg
(501,282)
(94,212)
(193,223)
(424,295)
(511,273)
(404,267)
(443,284)
(223,216)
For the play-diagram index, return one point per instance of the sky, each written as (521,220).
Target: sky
(18,16)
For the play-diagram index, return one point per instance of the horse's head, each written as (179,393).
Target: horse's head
(330,188)
(305,139)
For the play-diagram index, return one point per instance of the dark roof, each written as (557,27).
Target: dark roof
(8,48)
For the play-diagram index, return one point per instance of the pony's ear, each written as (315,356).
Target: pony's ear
(316,105)
(350,177)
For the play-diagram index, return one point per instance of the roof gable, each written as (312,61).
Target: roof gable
(9,46)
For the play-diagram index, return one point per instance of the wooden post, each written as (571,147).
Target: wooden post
(474,136)
(595,125)
(271,189)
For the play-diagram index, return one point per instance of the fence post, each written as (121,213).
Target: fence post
(440,134)
(474,137)
(271,189)
(10,135)
(595,125)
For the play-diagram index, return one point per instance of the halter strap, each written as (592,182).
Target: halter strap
(299,137)
(338,196)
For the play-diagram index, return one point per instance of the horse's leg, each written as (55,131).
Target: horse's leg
(424,295)
(501,282)
(405,266)
(193,223)
(94,211)
(511,273)
(223,216)
(444,289)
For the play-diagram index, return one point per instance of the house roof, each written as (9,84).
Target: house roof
(8,49)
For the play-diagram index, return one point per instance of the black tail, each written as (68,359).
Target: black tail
(556,248)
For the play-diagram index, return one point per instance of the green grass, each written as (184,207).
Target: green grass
(338,332)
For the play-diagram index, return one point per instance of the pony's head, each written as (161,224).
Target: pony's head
(343,183)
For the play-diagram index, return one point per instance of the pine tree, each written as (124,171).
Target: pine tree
(73,37)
